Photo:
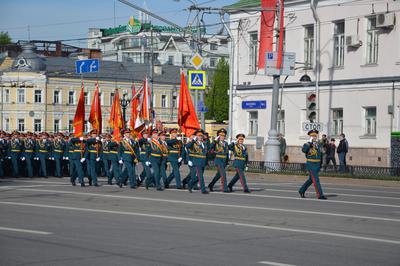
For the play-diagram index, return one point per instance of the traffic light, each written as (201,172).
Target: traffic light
(311,106)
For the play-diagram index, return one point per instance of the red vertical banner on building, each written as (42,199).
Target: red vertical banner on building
(266,30)
(95,117)
(79,119)
(281,35)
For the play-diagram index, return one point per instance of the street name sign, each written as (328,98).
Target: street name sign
(254,105)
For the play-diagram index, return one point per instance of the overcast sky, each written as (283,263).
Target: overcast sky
(70,19)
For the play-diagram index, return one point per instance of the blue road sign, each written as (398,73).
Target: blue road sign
(201,107)
(197,79)
(254,105)
(270,56)
(86,66)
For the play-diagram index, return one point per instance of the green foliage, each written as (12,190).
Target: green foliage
(217,99)
(4,38)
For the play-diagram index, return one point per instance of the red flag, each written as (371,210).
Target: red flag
(95,113)
(187,118)
(134,110)
(143,116)
(281,34)
(79,119)
(266,30)
(116,121)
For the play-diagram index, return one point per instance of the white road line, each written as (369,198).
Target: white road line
(31,186)
(217,205)
(24,231)
(210,221)
(37,181)
(274,263)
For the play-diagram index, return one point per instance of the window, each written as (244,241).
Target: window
(21,124)
(111,98)
(86,126)
(86,95)
(309,45)
(70,125)
(337,120)
(253,53)
(338,38)
(56,127)
(174,101)
(370,121)
(56,97)
(37,125)
(192,44)
(372,42)
(7,124)
(253,123)
(213,47)
(71,97)
(38,96)
(170,60)
(185,60)
(213,62)
(6,96)
(281,122)
(163,101)
(20,96)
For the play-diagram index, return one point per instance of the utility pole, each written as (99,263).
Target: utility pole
(272,144)
(200,51)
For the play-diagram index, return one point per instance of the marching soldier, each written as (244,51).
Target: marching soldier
(239,163)
(29,153)
(198,152)
(313,154)
(58,153)
(15,149)
(186,156)
(221,150)
(42,152)
(164,157)
(143,146)
(105,156)
(93,149)
(154,154)
(76,156)
(175,158)
(128,150)
(3,148)
(113,157)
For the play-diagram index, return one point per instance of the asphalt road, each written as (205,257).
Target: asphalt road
(49,222)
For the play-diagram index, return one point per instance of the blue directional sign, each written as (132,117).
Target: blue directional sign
(254,105)
(201,107)
(197,79)
(86,66)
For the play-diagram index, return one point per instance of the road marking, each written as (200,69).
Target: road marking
(36,181)
(31,186)
(274,263)
(216,205)
(210,221)
(24,231)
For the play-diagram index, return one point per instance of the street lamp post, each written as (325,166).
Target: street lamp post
(124,101)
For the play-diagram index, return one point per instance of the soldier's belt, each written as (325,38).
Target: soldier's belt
(314,160)
(16,150)
(240,158)
(128,152)
(114,152)
(106,152)
(28,150)
(77,151)
(220,156)
(43,151)
(142,152)
(93,151)
(198,156)
(155,154)
(58,150)
(173,151)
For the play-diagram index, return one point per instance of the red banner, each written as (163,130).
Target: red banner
(266,30)
(187,118)
(95,113)
(79,119)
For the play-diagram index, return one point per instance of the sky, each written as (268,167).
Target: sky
(71,19)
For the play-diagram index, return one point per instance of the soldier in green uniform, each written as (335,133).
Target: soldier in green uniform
(15,150)
(58,153)
(77,157)
(105,157)
(3,146)
(154,154)
(186,157)
(93,150)
(143,146)
(221,150)
(128,155)
(113,157)
(312,151)
(198,152)
(29,153)
(42,152)
(163,166)
(240,162)
(175,146)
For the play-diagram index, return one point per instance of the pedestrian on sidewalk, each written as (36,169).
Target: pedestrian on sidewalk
(342,151)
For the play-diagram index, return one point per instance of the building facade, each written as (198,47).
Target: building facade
(358,88)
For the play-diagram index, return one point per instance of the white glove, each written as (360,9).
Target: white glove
(66,158)
(217,138)
(98,159)
(148,163)
(121,162)
(102,140)
(234,142)
(190,163)
(63,158)
(9,157)
(180,159)
(52,158)
(311,140)
(81,138)
(22,158)
(195,138)
(83,159)
(97,138)
(36,158)
(246,168)
(178,138)
(148,139)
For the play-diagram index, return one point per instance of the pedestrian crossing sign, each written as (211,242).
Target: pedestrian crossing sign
(197,79)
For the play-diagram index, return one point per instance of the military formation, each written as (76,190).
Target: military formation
(86,158)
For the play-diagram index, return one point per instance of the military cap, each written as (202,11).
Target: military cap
(126,130)
(93,131)
(199,132)
(240,135)
(173,130)
(313,132)
(222,131)
(162,133)
(154,131)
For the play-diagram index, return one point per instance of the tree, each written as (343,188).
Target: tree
(217,100)
(4,38)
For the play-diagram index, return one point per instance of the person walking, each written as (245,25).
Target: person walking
(342,150)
